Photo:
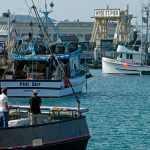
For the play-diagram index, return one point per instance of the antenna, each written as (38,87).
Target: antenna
(46,12)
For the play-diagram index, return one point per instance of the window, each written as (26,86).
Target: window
(129,56)
(87,37)
(120,55)
(80,35)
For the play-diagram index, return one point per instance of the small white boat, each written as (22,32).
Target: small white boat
(128,61)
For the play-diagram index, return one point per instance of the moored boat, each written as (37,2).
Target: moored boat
(62,128)
(45,75)
(38,63)
(53,72)
(128,61)
(133,57)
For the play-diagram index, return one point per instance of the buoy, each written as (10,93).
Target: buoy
(126,65)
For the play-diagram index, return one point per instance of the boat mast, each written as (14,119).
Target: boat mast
(48,20)
(46,13)
(42,26)
(147,27)
(146,10)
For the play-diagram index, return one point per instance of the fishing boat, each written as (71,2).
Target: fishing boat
(61,128)
(53,72)
(128,61)
(38,63)
(48,74)
(131,59)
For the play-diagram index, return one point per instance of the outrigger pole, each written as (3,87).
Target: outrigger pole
(42,27)
(70,84)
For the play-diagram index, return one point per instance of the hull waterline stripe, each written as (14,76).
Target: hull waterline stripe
(50,143)
(128,70)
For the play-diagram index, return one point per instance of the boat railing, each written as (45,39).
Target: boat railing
(19,111)
(75,73)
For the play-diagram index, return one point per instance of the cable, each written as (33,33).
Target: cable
(49,43)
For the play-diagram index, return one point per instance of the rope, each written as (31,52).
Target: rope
(70,84)
(42,27)
(28,16)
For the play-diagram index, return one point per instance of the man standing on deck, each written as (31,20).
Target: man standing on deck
(4,110)
(35,112)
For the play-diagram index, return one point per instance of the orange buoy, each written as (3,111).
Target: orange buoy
(126,65)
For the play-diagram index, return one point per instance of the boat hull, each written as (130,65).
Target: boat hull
(46,88)
(69,134)
(80,144)
(112,66)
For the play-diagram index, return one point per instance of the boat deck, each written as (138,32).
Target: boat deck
(20,115)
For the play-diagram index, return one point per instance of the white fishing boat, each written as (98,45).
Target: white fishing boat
(44,73)
(132,59)
(53,69)
(128,61)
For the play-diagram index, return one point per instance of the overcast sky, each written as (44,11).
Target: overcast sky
(72,9)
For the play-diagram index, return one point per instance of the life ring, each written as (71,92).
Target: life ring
(66,81)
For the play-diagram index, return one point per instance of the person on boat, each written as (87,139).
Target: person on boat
(35,112)
(26,70)
(4,109)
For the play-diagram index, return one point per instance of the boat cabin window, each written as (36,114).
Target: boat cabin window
(129,56)
(120,55)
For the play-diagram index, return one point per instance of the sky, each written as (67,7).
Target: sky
(72,9)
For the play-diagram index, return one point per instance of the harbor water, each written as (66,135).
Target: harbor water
(119,110)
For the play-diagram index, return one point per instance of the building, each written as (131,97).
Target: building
(81,31)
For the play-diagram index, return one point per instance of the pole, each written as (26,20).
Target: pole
(147,15)
(86,84)
(49,41)
(8,34)
(70,84)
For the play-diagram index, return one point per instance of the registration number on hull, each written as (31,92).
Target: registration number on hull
(29,83)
